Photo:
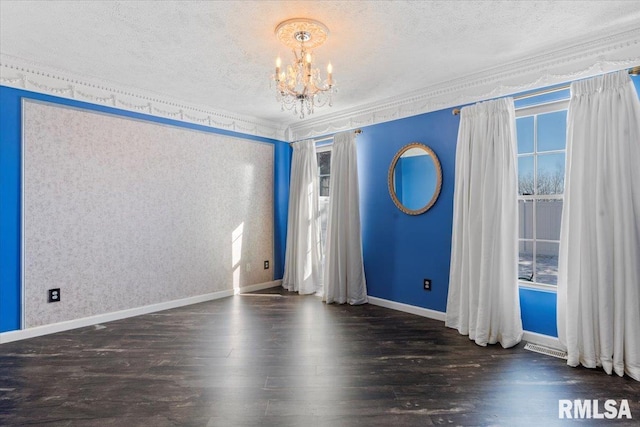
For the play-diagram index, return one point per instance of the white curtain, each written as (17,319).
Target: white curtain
(344,280)
(599,263)
(302,265)
(483,300)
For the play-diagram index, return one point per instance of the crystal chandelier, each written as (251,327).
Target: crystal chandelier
(300,85)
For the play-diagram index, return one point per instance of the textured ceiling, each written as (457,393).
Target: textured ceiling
(220,54)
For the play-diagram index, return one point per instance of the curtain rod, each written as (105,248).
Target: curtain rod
(633,71)
(326,138)
(456,111)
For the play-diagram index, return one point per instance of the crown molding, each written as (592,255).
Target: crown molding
(600,54)
(603,54)
(22,74)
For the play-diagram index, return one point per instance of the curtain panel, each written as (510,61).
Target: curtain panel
(599,260)
(483,300)
(302,265)
(344,280)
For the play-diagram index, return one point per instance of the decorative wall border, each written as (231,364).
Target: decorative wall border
(21,74)
(600,55)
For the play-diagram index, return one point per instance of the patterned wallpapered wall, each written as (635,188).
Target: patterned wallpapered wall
(121,213)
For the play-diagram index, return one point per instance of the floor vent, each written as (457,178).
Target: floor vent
(546,350)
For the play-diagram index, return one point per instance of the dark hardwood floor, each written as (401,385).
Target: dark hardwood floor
(275,358)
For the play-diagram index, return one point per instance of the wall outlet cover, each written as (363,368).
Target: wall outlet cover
(427,284)
(54,295)
(266,265)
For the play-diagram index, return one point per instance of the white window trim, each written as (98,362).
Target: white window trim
(548,107)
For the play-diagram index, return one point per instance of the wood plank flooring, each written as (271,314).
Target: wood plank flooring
(275,358)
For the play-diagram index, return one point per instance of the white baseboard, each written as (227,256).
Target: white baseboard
(532,337)
(419,311)
(259,286)
(37,331)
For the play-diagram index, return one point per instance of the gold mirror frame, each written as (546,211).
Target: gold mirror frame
(390,179)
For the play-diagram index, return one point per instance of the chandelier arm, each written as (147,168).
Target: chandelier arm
(289,92)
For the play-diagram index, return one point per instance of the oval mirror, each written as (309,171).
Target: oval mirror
(415,178)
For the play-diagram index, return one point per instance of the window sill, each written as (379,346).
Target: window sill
(538,286)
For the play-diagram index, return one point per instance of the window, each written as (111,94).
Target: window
(541,135)
(323,154)
(324,169)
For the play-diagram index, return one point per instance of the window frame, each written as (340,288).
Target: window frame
(527,111)
(323,149)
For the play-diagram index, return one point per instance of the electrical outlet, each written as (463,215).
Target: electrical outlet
(54,295)
(266,265)
(248,267)
(427,284)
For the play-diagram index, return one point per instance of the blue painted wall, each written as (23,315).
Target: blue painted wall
(538,311)
(283,153)
(401,250)
(10,160)
(10,154)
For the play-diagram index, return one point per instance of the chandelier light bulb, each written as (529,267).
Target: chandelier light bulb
(278,64)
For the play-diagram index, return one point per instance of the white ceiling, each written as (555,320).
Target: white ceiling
(219,55)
